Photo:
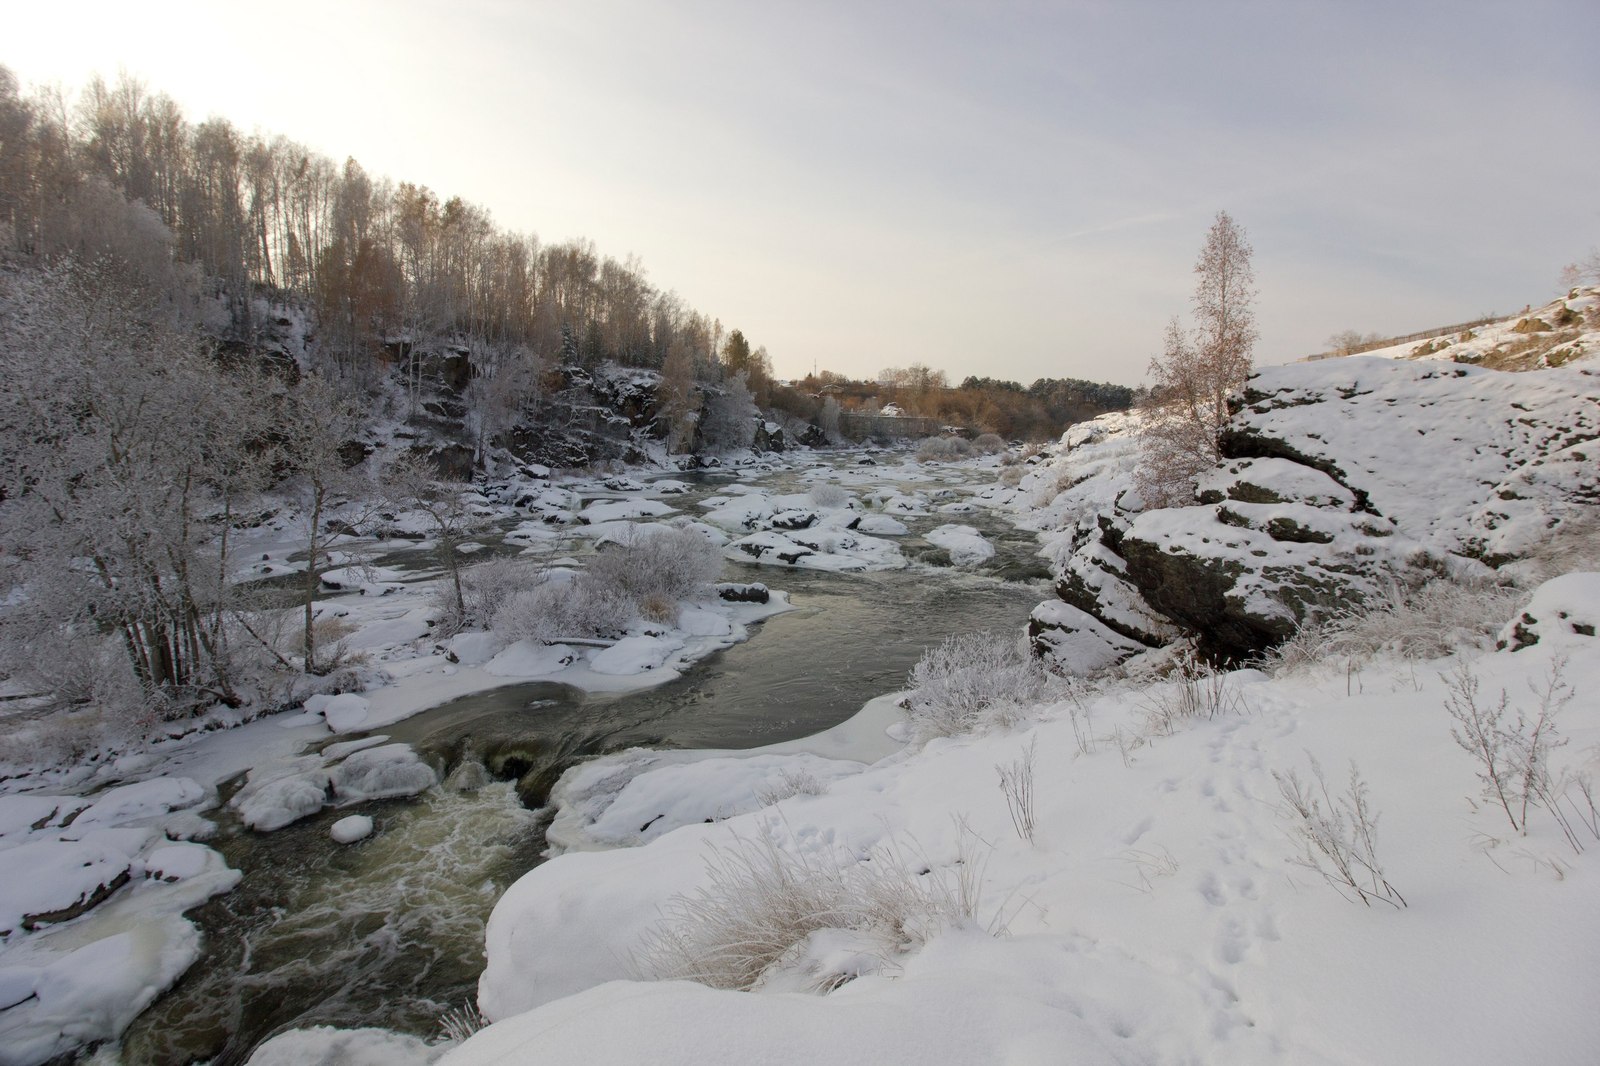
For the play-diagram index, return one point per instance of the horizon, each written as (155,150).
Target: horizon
(1013,194)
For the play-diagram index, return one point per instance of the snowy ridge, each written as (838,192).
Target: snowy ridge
(1562,332)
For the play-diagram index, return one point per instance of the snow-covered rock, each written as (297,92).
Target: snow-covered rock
(350,829)
(344,713)
(384,772)
(1342,477)
(1562,612)
(325,1046)
(56,880)
(966,545)
(634,655)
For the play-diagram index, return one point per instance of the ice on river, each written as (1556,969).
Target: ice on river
(91,902)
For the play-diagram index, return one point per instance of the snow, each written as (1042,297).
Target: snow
(635,796)
(178,862)
(351,829)
(1501,447)
(618,510)
(323,1046)
(1160,913)
(964,543)
(634,655)
(344,713)
(47,876)
(72,982)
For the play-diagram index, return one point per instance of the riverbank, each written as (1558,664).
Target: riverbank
(384,612)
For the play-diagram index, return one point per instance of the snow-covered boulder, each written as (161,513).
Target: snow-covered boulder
(344,713)
(964,543)
(635,796)
(384,772)
(635,655)
(1563,610)
(351,829)
(325,1046)
(48,881)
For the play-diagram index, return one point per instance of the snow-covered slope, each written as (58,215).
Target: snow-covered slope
(1164,910)
(1562,332)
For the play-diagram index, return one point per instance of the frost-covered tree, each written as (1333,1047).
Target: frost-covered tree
(315,424)
(127,452)
(410,482)
(1191,379)
(729,418)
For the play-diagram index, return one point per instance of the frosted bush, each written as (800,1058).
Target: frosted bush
(485,589)
(555,610)
(830,496)
(988,444)
(974,682)
(1572,546)
(942,449)
(660,566)
(1425,622)
(764,906)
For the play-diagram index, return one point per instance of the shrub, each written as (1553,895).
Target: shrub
(485,589)
(973,682)
(574,609)
(1340,837)
(763,903)
(791,783)
(1573,545)
(660,563)
(1016,784)
(830,496)
(1513,753)
(988,444)
(1423,622)
(942,449)
(1197,690)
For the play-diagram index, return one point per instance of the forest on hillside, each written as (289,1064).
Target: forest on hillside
(390,277)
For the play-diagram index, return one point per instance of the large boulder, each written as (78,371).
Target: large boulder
(1339,479)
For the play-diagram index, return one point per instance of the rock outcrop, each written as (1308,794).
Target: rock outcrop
(1340,479)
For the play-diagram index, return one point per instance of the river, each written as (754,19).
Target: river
(390,932)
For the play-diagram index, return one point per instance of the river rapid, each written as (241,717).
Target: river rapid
(389,932)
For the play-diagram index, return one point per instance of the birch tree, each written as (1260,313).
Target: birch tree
(1198,368)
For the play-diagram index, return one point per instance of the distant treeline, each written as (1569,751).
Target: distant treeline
(391,274)
(981,404)
(378,261)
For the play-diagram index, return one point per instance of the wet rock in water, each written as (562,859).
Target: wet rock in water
(752,592)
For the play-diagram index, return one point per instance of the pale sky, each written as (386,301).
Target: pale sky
(1016,190)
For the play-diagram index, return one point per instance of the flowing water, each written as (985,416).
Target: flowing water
(390,932)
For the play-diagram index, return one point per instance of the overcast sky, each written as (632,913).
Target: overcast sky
(1007,189)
